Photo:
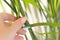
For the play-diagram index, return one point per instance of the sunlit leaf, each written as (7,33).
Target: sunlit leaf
(27,2)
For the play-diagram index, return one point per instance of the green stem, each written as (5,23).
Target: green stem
(48,24)
(26,37)
(32,34)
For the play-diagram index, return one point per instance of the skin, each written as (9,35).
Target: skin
(9,31)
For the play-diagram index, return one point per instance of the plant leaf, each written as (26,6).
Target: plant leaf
(31,2)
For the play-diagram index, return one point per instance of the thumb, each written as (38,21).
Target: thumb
(18,24)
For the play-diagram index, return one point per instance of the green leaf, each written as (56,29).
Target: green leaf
(2,6)
(46,24)
(9,5)
(17,2)
(55,4)
(46,33)
(31,2)
(13,5)
(58,4)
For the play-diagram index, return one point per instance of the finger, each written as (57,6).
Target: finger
(18,24)
(6,16)
(7,24)
(18,38)
(21,31)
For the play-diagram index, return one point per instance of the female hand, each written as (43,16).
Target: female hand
(9,31)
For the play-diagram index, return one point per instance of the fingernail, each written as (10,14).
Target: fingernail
(23,20)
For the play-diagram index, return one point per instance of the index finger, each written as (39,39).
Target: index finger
(6,16)
(18,24)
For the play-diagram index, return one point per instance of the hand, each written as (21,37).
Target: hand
(9,31)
